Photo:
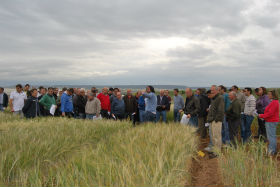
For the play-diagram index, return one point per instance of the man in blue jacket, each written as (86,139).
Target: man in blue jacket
(67,103)
(118,107)
(4,100)
(151,104)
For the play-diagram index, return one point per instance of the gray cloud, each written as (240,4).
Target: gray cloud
(140,42)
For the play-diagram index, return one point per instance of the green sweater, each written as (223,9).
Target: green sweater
(47,101)
(234,110)
(217,109)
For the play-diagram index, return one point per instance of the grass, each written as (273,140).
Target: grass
(69,152)
(248,165)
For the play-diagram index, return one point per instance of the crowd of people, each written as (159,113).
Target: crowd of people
(224,115)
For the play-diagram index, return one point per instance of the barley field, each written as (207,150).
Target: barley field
(69,152)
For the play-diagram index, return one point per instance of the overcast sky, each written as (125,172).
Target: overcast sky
(180,42)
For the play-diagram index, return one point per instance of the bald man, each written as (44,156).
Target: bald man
(216,116)
(233,116)
(130,106)
(192,107)
(105,103)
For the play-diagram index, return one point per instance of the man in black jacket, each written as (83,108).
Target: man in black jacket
(130,106)
(233,114)
(192,107)
(31,108)
(80,104)
(202,115)
(162,106)
(4,100)
(215,116)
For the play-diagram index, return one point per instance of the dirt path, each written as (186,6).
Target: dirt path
(205,171)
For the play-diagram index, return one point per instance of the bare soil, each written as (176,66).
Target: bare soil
(205,171)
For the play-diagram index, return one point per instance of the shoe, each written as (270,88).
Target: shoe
(208,149)
(212,155)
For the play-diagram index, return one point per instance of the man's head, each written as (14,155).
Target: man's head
(119,95)
(189,92)
(116,90)
(93,89)
(70,91)
(94,93)
(34,92)
(82,92)
(105,90)
(50,91)
(77,91)
(235,88)
(257,91)
(222,89)
(19,88)
(26,87)
(214,90)
(128,92)
(209,94)
(138,93)
(232,95)
(166,92)
(1,89)
(248,91)
(161,93)
(176,91)
(150,89)
(111,90)
(90,96)
(55,91)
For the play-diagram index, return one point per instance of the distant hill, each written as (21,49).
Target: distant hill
(134,87)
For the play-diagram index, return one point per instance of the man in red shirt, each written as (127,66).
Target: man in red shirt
(105,103)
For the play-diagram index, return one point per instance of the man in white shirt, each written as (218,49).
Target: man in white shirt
(17,99)
(249,115)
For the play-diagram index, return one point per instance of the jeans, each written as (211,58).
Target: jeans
(1,108)
(150,117)
(141,116)
(176,115)
(120,116)
(161,113)
(131,117)
(90,116)
(81,116)
(233,126)
(271,136)
(210,136)
(225,132)
(261,130)
(20,113)
(193,121)
(246,127)
(104,114)
(242,126)
(69,114)
(202,130)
